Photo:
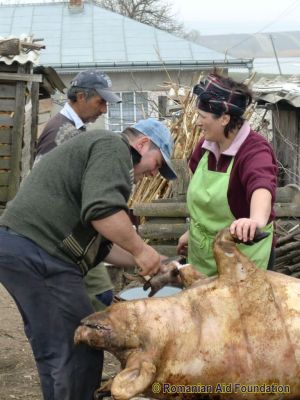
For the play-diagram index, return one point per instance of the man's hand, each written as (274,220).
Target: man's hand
(147,260)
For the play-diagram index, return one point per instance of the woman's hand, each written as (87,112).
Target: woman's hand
(260,209)
(182,247)
(244,229)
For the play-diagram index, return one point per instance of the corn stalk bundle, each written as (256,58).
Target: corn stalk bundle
(186,135)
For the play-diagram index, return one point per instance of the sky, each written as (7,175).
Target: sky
(238,16)
(212,17)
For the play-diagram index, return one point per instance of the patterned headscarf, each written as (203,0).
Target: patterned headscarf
(216,98)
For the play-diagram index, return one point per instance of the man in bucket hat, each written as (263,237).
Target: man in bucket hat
(71,213)
(88,95)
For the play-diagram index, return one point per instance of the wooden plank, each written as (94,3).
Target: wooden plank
(7,90)
(167,220)
(8,68)
(7,76)
(288,194)
(162,231)
(5,135)
(7,105)
(180,185)
(45,105)
(4,163)
(161,210)
(4,178)
(3,193)
(287,210)
(6,120)
(5,150)
(17,137)
(43,118)
(166,250)
(34,119)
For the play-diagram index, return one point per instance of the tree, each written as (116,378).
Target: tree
(157,13)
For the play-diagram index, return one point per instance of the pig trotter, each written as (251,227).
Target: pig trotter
(160,280)
(99,394)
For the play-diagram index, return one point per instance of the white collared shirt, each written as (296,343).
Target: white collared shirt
(69,113)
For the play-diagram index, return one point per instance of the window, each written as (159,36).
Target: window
(134,107)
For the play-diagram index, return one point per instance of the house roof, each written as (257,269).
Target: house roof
(93,36)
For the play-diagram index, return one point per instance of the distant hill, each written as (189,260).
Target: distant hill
(287,44)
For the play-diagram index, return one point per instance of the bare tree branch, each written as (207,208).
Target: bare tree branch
(157,13)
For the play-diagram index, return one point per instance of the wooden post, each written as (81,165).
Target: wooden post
(17,136)
(34,119)
(180,185)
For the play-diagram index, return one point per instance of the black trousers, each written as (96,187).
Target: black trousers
(52,300)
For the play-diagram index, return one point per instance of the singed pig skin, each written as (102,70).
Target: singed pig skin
(240,327)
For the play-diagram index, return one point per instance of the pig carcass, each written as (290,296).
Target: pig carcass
(233,336)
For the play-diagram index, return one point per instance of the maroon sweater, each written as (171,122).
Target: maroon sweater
(254,167)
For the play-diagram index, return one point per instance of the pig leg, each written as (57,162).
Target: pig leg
(134,379)
(103,391)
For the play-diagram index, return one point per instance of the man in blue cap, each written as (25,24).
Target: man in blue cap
(71,213)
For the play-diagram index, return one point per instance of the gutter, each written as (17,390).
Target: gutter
(153,66)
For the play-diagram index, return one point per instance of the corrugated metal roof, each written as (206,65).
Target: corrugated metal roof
(273,91)
(24,56)
(97,36)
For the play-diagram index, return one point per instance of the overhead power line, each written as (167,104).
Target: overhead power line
(284,13)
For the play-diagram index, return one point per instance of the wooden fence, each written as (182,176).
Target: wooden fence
(18,119)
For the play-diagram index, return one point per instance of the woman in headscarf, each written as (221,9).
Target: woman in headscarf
(234,177)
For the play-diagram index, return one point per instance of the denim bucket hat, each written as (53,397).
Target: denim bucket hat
(97,80)
(160,135)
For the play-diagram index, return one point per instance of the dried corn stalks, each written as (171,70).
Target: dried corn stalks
(185,134)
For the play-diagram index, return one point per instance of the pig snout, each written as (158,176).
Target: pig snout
(91,332)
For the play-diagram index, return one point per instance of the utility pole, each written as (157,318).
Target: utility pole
(271,38)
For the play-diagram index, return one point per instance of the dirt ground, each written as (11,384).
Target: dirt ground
(18,376)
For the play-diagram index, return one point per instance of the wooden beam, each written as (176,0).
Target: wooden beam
(162,231)
(34,119)
(6,76)
(288,194)
(17,137)
(4,163)
(7,105)
(8,91)
(4,178)
(3,194)
(161,210)
(6,120)
(5,149)
(287,210)
(5,135)
(166,250)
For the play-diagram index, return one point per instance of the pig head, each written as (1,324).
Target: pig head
(240,327)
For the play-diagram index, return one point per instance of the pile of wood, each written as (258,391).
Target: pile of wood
(288,252)
(14,46)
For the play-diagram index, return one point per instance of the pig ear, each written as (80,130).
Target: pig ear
(132,381)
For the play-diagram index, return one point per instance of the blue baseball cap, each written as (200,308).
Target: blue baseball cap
(160,135)
(97,80)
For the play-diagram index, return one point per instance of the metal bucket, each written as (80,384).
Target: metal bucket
(138,293)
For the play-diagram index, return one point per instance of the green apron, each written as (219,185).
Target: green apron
(209,213)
